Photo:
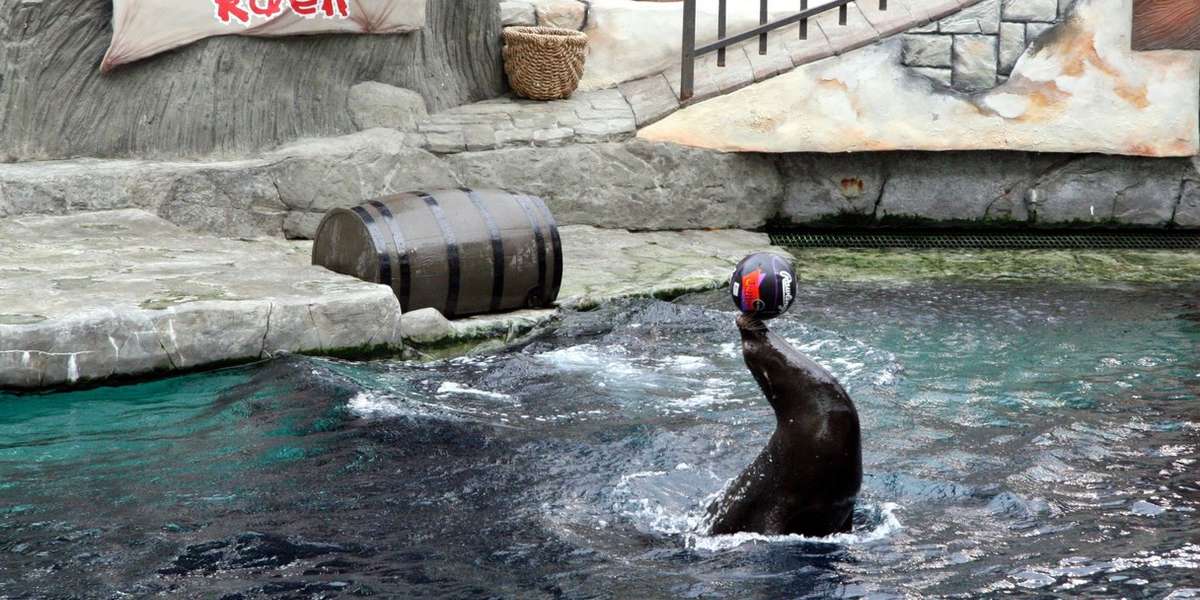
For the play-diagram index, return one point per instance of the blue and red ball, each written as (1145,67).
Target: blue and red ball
(763,285)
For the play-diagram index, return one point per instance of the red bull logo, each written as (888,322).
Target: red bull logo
(751,296)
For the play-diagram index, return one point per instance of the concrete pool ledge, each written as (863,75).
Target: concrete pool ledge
(124,293)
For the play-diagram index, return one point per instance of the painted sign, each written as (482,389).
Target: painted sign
(243,11)
(143,28)
(1166,25)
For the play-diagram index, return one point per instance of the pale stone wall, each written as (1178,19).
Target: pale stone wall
(1078,88)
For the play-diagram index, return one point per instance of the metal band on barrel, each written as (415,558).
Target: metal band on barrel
(452,258)
(523,202)
(498,262)
(385,262)
(405,290)
(556,242)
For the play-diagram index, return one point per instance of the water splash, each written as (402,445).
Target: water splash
(884,525)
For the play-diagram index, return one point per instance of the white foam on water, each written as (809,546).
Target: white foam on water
(625,479)
(665,516)
(449,388)
(1177,450)
(715,392)
(368,405)
(371,405)
(884,378)
(610,360)
(888,525)
(685,363)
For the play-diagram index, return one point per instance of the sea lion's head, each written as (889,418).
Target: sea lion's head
(750,324)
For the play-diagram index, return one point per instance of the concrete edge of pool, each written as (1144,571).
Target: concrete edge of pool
(119,294)
(104,297)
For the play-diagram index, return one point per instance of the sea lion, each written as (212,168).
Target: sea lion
(807,478)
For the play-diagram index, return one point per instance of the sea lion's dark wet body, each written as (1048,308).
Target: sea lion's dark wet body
(805,481)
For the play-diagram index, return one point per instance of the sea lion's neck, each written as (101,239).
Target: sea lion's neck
(798,388)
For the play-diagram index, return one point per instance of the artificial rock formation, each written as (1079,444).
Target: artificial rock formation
(106,294)
(223,97)
(1078,89)
(633,185)
(623,185)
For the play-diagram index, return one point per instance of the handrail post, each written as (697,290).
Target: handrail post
(803,22)
(721,32)
(762,20)
(688,73)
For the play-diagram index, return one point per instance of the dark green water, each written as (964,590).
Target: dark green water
(1024,439)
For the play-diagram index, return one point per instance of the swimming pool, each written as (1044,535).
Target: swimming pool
(1019,438)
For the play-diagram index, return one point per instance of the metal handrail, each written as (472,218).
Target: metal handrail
(690,51)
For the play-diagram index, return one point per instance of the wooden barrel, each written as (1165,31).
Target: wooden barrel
(463,252)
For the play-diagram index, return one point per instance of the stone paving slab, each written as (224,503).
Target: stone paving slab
(123,293)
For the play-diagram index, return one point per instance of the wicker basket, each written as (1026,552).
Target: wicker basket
(544,63)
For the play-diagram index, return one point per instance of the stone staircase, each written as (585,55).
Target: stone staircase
(617,113)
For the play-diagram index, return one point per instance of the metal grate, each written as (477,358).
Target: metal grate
(998,240)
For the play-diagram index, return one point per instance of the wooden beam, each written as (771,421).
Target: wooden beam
(1166,25)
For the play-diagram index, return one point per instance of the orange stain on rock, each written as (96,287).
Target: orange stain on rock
(852,187)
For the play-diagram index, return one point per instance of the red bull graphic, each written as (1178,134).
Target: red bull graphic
(751,296)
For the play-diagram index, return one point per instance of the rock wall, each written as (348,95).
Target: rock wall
(625,185)
(221,96)
(989,188)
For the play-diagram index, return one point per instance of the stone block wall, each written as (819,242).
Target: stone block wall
(975,50)
(568,14)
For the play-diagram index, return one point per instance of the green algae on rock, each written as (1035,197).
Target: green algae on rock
(1093,266)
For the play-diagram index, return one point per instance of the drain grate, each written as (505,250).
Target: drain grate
(998,240)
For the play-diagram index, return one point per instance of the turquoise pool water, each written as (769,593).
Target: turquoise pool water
(1023,439)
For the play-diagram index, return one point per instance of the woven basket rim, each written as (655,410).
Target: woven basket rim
(532,33)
